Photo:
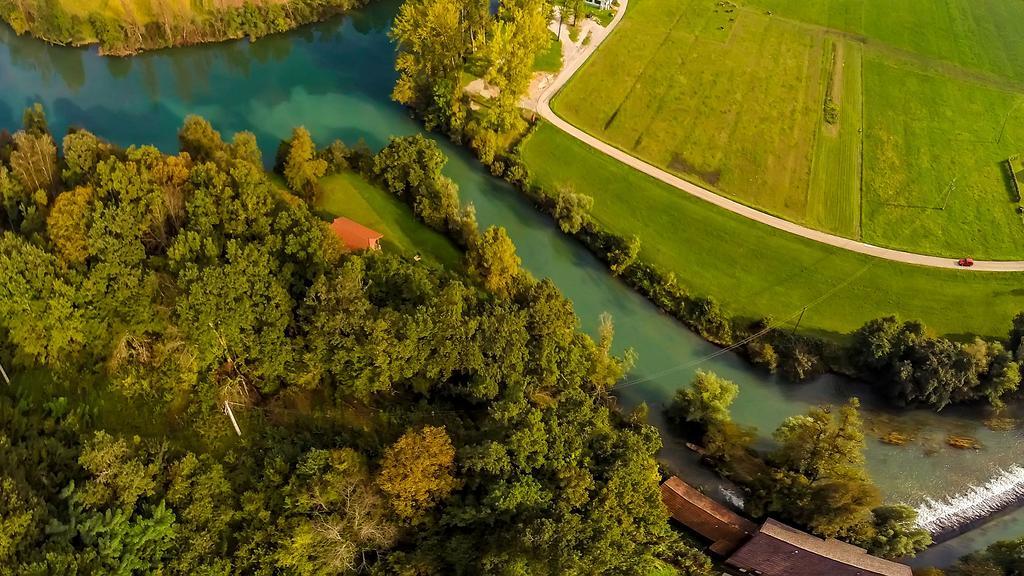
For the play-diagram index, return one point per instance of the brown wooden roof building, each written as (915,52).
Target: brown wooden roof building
(688,506)
(356,236)
(779,550)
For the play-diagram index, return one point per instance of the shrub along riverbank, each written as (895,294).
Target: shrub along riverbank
(908,364)
(133,26)
(904,361)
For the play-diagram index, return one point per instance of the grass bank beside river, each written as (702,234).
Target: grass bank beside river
(132,26)
(756,271)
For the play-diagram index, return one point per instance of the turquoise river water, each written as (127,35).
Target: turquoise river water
(335,78)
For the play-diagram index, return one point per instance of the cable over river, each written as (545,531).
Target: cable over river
(336,78)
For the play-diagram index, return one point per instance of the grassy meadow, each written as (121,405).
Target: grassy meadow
(923,155)
(929,98)
(754,270)
(352,196)
(142,11)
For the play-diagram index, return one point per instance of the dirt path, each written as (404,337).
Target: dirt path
(574,54)
(542,104)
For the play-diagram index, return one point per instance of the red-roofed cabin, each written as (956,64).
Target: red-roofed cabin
(355,236)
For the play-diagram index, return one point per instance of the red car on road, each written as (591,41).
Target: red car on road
(965,262)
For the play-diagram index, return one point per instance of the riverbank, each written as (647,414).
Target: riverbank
(135,26)
(753,270)
(267,88)
(770,273)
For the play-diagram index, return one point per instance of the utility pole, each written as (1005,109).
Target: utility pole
(949,190)
(798,320)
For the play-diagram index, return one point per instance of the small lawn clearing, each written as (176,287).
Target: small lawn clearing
(352,196)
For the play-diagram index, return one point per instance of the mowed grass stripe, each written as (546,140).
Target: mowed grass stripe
(755,270)
(835,189)
(821,164)
(801,157)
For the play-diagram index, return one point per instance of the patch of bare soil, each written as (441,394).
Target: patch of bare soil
(682,166)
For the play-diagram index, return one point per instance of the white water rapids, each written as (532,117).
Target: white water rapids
(1005,489)
(731,497)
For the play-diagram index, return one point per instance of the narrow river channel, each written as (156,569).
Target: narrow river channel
(335,78)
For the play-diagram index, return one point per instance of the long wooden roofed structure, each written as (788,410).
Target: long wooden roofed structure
(712,520)
(780,550)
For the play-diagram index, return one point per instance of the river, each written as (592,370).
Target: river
(335,78)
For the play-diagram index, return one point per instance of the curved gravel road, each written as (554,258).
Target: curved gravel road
(573,65)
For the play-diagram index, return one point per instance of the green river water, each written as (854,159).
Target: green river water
(335,78)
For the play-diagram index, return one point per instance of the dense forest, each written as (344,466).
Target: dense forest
(394,418)
(130,26)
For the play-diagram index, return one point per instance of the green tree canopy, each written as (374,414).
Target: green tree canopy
(157,291)
(302,168)
(416,471)
(493,259)
(706,400)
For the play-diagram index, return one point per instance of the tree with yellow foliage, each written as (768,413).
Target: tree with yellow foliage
(417,471)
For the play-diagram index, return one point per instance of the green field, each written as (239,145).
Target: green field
(141,11)
(1016,167)
(350,195)
(930,99)
(931,155)
(833,197)
(755,270)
